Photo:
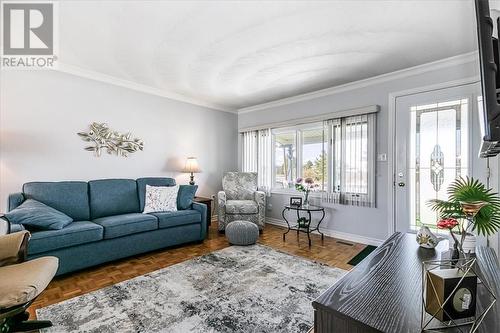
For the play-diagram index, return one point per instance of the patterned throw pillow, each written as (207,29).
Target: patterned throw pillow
(161,199)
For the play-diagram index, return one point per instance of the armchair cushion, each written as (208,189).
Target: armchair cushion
(241,207)
(240,185)
(38,215)
(23,282)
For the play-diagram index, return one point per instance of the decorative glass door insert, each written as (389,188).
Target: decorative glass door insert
(438,153)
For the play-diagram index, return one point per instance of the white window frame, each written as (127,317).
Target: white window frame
(298,130)
(329,192)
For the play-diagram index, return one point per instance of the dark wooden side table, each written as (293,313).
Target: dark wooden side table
(383,293)
(208,202)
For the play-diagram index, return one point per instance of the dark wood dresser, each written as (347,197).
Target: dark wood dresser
(383,292)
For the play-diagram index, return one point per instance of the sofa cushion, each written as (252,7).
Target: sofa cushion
(126,224)
(180,217)
(185,196)
(110,197)
(241,207)
(151,181)
(71,198)
(75,233)
(161,199)
(35,214)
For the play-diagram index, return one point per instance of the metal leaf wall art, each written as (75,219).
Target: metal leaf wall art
(112,142)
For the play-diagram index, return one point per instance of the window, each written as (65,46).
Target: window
(285,159)
(338,154)
(353,165)
(314,163)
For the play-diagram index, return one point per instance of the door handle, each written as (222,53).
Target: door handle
(401,184)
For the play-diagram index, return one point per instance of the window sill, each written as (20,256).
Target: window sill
(295,192)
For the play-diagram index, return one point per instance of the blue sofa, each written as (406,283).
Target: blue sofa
(108,221)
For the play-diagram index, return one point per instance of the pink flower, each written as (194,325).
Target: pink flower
(447,223)
(309,180)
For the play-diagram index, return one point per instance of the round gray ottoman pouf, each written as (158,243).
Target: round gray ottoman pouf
(242,233)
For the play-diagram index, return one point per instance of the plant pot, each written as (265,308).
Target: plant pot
(469,245)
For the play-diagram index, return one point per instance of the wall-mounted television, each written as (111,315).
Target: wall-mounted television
(489,113)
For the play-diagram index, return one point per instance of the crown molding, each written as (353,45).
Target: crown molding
(410,71)
(96,76)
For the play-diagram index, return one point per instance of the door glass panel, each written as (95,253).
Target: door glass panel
(438,154)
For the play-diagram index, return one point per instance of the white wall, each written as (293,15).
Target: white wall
(363,224)
(41,112)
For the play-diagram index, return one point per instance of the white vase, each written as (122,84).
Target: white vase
(469,245)
(426,239)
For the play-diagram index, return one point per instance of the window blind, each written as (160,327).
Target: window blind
(264,160)
(256,153)
(352,151)
(250,151)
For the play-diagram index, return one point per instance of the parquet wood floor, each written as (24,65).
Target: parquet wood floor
(330,252)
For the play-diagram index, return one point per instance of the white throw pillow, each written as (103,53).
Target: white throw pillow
(160,199)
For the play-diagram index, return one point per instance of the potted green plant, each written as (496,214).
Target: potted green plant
(474,207)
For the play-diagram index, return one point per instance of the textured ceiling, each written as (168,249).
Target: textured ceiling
(241,53)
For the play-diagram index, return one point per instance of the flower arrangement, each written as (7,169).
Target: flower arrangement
(470,207)
(305,185)
(450,224)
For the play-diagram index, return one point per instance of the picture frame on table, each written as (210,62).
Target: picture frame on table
(295,201)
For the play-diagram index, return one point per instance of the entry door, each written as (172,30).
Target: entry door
(433,147)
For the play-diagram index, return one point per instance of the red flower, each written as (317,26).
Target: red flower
(447,223)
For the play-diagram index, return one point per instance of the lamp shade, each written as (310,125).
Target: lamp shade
(191,165)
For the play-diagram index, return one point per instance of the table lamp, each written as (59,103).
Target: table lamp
(191,167)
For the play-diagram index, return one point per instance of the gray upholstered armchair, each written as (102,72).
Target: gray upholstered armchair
(240,200)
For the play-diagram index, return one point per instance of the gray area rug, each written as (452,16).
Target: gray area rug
(237,289)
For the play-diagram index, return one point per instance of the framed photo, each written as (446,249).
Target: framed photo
(295,201)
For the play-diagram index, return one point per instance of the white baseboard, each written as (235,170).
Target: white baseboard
(335,234)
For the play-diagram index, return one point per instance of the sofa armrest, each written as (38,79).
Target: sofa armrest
(202,208)
(13,248)
(15,200)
